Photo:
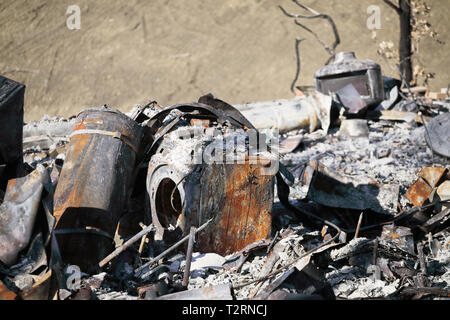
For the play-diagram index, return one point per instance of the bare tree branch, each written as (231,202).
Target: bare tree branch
(305,7)
(323,16)
(330,51)
(297,57)
(316,15)
(393,6)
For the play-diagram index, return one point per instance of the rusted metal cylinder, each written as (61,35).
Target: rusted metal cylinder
(94,184)
(238,196)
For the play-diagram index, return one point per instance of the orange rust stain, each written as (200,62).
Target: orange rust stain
(239,209)
(12,193)
(5,293)
(127,131)
(11,186)
(79,126)
(77,145)
(245,215)
(200,122)
(393,235)
(419,192)
(261,207)
(241,206)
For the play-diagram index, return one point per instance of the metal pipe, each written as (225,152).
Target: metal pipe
(126,245)
(187,268)
(163,254)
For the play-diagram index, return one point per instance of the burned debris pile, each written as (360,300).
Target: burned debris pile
(340,193)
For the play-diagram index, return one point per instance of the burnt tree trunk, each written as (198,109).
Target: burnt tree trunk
(404,12)
(405,49)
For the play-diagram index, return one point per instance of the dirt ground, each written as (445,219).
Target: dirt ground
(130,52)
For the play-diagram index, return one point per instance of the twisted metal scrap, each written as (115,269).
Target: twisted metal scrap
(277,271)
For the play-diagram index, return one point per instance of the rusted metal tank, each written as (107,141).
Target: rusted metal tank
(11,129)
(94,184)
(237,195)
(364,75)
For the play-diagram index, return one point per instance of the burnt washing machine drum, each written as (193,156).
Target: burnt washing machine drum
(364,75)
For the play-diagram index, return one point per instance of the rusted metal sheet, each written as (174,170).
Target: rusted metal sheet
(18,213)
(94,184)
(11,129)
(421,190)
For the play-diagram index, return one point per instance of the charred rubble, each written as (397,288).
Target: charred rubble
(340,193)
